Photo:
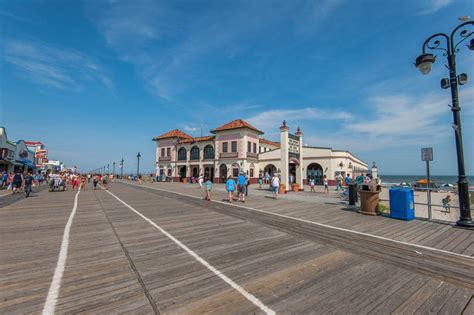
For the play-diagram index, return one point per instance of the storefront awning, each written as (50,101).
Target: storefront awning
(27,163)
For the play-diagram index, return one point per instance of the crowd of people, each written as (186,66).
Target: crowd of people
(23,182)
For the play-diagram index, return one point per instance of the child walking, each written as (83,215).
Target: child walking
(311,184)
(208,185)
(326,185)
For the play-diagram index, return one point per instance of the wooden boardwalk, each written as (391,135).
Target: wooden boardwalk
(118,262)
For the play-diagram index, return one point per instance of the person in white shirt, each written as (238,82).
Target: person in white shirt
(275,184)
(200,180)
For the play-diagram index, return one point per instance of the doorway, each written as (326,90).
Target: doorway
(223,173)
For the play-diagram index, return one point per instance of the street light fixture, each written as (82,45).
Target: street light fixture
(138,163)
(113,168)
(424,63)
(121,169)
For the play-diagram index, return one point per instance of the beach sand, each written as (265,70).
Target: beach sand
(438,211)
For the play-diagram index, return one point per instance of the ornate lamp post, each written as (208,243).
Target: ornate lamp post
(138,163)
(424,63)
(113,168)
(121,169)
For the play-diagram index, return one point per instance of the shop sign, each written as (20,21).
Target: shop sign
(293,144)
(6,155)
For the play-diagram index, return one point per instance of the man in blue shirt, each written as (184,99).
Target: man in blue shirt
(241,182)
(347,180)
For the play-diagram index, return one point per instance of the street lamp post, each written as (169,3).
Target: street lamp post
(121,169)
(108,168)
(113,168)
(138,163)
(424,63)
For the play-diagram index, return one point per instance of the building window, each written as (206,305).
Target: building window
(169,172)
(233,145)
(235,172)
(260,149)
(162,152)
(168,151)
(251,172)
(249,146)
(194,153)
(209,152)
(182,154)
(254,148)
(224,147)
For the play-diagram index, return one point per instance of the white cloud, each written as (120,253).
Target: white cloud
(52,67)
(165,42)
(435,5)
(267,120)
(407,116)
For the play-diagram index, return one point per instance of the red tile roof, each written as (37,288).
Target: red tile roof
(276,144)
(198,139)
(173,134)
(236,124)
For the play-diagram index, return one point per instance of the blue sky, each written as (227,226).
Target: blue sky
(96,80)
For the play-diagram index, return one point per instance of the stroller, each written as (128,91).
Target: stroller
(57,184)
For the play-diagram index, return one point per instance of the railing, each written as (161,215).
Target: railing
(251,155)
(165,158)
(209,156)
(431,208)
(225,155)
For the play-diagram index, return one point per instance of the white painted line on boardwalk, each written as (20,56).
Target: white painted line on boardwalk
(319,224)
(229,281)
(53,293)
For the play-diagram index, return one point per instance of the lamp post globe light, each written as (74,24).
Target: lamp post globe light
(449,45)
(113,168)
(138,163)
(121,169)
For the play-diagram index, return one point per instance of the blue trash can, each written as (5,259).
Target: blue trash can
(402,203)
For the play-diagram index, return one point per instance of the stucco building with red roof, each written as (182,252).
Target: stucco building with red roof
(238,146)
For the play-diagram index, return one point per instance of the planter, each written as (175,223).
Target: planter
(282,189)
(295,187)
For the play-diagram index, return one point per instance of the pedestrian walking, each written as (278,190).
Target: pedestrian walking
(311,184)
(200,181)
(326,185)
(247,183)
(17,181)
(95,182)
(104,181)
(208,185)
(260,182)
(28,182)
(230,187)
(75,183)
(275,185)
(83,182)
(241,183)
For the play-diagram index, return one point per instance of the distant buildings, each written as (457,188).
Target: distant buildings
(24,155)
(239,147)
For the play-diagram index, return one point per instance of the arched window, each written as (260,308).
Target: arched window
(182,154)
(208,152)
(194,153)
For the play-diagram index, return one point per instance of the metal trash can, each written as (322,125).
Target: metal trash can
(369,198)
(352,194)
(402,203)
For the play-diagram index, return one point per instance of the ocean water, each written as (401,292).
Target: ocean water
(437,179)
